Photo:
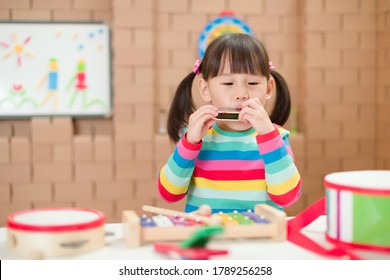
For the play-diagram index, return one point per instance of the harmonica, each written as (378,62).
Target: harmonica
(227,115)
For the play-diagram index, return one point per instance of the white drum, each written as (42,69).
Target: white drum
(44,233)
(358,208)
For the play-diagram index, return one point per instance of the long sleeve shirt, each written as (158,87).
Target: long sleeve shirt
(232,171)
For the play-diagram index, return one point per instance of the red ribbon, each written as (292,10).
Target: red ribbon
(303,219)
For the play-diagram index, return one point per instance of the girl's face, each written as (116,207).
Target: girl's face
(229,90)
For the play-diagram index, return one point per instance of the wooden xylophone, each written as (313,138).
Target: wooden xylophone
(265,222)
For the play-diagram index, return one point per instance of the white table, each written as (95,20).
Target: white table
(256,249)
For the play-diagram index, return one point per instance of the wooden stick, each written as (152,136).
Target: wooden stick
(213,220)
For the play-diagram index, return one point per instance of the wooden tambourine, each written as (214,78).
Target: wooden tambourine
(53,232)
(358,209)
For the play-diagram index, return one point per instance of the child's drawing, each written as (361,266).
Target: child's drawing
(54,69)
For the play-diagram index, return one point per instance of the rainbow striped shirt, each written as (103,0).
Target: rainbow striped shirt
(232,171)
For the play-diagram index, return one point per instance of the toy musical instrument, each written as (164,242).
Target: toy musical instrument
(265,222)
(227,115)
(42,233)
(358,208)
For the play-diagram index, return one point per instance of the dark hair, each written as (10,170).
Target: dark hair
(245,54)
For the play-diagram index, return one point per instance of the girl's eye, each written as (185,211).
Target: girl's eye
(227,84)
(253,83)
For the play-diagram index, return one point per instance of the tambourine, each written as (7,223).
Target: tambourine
(55,232)
(358,209)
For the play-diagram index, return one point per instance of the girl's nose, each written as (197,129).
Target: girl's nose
(242,95)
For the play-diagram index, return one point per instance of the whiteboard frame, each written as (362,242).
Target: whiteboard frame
(106,113)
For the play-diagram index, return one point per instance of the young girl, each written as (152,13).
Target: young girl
(231,165)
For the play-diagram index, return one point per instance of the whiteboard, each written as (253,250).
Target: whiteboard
(55,69)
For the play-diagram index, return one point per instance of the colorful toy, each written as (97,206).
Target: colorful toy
(358,209)
(43,233)
(225,23)
(201,237)
(193,248)
(265,222)
(188,253)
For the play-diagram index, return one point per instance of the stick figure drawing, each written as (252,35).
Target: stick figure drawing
(52,83)
(80,86)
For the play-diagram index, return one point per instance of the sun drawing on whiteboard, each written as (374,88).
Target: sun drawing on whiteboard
(16,48)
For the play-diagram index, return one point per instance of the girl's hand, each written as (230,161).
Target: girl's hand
(253,112)
(199,122)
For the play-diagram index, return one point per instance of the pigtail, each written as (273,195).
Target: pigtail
(182,107)
(282,108)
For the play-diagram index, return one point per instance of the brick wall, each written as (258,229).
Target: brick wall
(340,96)
(383,85)
(326,50)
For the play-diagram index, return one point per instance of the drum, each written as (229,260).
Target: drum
(358,209)
(44,233)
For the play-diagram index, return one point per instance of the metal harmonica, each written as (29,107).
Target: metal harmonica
(227,115)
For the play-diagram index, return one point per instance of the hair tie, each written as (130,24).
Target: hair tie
(271,65)
(195,69)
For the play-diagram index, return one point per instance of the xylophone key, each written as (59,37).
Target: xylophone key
(179,221)
(162,221)
(196,223)
(256,218)
(147,222)
(190,216)
(241,219)
(226,220)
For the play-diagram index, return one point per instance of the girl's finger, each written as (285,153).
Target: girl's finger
(210,109)
(210,123)
(246,110)
(252,103)
(205,118)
